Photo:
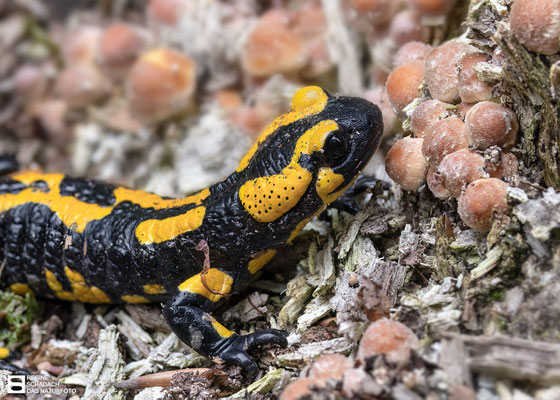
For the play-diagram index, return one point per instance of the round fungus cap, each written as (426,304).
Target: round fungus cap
(505,166)
(460,168)
(330,366)
(536,24)
(471,88)
(389,337)
(160,85)
(379,12)
(427,114)
(405,163)
(299,388)
(445,137)
(79,46)
(82,85)
(403,84)
(118,48)
(442,75)
(165,12)
(273,46)
(491,124)
(480,200)
(412,51)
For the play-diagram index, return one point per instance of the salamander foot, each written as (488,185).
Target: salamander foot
(236,349)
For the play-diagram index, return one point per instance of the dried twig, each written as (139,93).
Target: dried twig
(203,246)
(160,379)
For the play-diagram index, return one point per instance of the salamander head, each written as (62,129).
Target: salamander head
(312,153)
(347,145)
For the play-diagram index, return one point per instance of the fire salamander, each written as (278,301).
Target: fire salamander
(82,240)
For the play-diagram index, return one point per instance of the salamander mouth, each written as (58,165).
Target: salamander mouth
(371,146)
(364,143)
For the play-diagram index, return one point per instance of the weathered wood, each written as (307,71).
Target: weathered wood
(107,367)
(158,379)
(511,358)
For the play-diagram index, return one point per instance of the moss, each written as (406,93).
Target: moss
(16,316)
(496,294)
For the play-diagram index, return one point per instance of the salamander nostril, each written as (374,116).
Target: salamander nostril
(370,122)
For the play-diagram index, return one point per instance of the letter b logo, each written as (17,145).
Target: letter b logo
(16,384)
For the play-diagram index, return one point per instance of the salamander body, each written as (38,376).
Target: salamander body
(82,240)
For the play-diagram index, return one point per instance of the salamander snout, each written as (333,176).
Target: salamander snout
(360,127)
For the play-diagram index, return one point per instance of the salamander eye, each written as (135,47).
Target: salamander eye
(335,146)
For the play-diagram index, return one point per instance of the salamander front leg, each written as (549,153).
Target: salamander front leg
(187,314)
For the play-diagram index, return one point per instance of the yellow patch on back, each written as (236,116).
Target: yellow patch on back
(28,177)
(216,280)
(222,330)
(76,213)
(135,299)
(258,262)
(154,289)
(150,200)
(20,288)
(71,211)
(160,230)
(68,296)
(4,352)
(307,101)
(82,291)
(327,182)
(53,283)
(269,197)
(56,287)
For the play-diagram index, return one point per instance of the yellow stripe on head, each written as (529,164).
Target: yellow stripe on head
(327,182)
(313,139)
(307,101)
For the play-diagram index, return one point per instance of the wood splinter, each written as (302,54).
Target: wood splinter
(161,379)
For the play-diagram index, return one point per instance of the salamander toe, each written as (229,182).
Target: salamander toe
(269,336)
(237,348)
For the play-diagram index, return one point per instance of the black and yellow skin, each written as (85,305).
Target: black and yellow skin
(82,240)
(5,356)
